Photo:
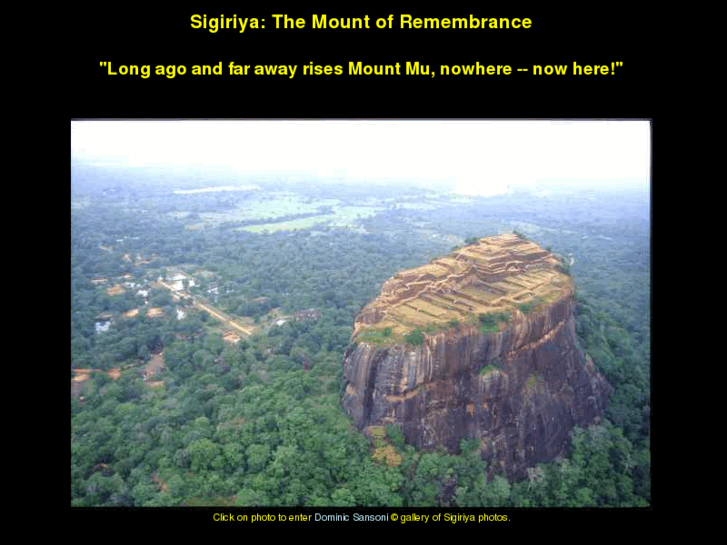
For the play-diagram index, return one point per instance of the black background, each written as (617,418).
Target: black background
(558,36)
(137,34)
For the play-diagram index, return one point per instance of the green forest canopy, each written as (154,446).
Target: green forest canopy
(260,422)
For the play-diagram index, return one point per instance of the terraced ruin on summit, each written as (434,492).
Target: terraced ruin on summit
(497,274)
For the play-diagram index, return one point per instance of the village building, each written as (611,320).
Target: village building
(177,281)
(102,327)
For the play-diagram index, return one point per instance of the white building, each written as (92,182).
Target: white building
(102,327)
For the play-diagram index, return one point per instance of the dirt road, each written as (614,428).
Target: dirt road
(200,303)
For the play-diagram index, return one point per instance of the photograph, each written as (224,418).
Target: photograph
(351,316)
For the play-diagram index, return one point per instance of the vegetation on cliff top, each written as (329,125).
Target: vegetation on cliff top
(526,308)
(376,336)
(487,323)
(415,338)
(490,323)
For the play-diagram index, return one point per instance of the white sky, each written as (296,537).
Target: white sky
(483,156)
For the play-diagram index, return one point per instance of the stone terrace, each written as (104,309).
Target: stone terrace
(495,274)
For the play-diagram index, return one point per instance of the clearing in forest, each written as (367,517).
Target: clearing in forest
(116,290)
(154,366)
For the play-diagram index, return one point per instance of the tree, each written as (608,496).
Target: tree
(343,497)
(213,343)
(396,435)
(257,457)
(144,353)
(255,493)
(378,485)
(415,338)
(202,453)
(564,268)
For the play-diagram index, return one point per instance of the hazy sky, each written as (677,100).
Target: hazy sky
(482,156)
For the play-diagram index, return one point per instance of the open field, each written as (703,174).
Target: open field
(268,206)
(344,216)
(154,366)
(271,207)
(83,374)
(301,223)
(116,290)
(248,187)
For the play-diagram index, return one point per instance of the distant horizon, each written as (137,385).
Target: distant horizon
(237,179)
(468,157)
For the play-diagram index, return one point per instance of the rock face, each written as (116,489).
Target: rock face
(478,344)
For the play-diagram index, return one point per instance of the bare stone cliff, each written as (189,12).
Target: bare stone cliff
(479,344)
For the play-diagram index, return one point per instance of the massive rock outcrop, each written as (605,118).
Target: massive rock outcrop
(478,344)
